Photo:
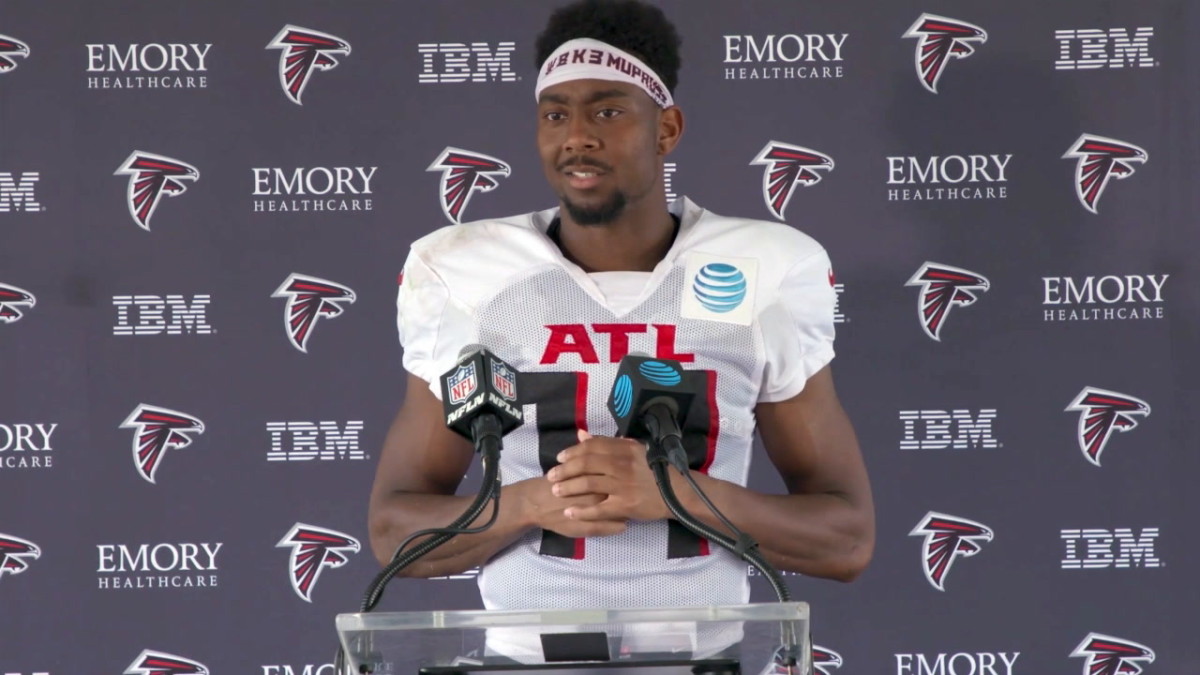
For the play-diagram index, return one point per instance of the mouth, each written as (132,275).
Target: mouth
(583,178)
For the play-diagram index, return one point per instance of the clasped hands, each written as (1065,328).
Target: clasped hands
(600,484)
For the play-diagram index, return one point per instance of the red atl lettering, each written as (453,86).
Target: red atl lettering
(618,344)
(665,344)
(579,343)
(574,338)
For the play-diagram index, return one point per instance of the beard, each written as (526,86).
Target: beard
(599,214)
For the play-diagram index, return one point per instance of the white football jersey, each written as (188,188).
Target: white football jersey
(746,306)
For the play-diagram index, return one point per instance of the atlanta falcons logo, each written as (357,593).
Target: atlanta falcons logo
(15,554)
(309,299)
(158,430)
(939,39)
(12,297)
(150,662)
(1112,656)
(788,166)
(943,287)
(947,538)
(1100,159)
(304,51)
(10,47)
(150,177)
(825,660)
(1100,412)
(463,174)
(313,549)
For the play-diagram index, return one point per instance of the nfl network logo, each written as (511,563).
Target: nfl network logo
(504,381)
(456,62)
(16,194)
(462,383)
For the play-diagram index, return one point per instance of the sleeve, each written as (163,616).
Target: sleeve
(797,328)
(420,311)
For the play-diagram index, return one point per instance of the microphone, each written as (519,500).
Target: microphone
(650,397)
(479,397)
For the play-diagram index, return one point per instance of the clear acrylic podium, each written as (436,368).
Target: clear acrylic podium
(754,639)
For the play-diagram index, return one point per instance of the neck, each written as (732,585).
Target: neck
(633,242)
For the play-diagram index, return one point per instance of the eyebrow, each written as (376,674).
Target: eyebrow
(592,98)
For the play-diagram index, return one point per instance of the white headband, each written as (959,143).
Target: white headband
(588,59)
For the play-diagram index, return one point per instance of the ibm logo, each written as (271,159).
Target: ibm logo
(155,315)
(451,62)
(324,440)
(1097,549)
(17,195)
(941,429)
(1094,48)
(669,169)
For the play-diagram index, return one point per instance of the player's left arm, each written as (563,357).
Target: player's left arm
(825,525)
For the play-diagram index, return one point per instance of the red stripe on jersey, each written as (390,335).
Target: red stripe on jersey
(581,387)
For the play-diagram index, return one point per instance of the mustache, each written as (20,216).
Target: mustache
(580,162)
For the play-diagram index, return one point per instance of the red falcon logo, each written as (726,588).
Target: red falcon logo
(943,287)
(1100,159)
(150,177)
(15,554)
(313,549)
(150,662)
(463,174)
(788,166)
(10,47)
(947,538)
(309,299)
(1112,656)
(158,430)
(1100,412)
(939,39)
(11,298)
(825,660)
(304,51)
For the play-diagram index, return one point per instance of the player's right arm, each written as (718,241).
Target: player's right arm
(419,471)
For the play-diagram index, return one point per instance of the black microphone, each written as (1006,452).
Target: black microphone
(479,397)
(650,398)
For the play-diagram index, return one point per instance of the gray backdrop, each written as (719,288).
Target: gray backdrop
(101,564)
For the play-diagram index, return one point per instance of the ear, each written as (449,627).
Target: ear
(670,129)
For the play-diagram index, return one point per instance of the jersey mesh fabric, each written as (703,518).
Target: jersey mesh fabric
(632,568)
(503,284)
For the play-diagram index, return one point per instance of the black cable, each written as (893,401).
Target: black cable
(743,546)
(491,466)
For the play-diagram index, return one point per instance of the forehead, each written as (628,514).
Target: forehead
(591,90)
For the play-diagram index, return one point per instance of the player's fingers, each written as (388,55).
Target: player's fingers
(605,510)
(583,485)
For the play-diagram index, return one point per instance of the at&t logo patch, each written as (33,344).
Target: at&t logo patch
(721,289)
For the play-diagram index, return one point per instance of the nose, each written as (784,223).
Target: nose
(581,135)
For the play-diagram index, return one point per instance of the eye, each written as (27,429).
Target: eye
(608,113)
(554,116)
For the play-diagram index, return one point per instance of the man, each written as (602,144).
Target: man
(562,295)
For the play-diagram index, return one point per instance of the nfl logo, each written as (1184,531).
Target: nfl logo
(504,381)
(462,383)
